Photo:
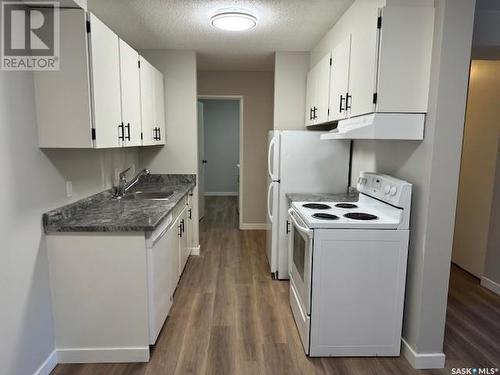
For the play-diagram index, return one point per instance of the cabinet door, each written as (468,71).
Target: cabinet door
(130,95)
(161,283)
(159,100)
(309,98)
(183,255)
(321,90)
(189,226)
(147,102)
(105,73)
(173,255)
(339,80)
(363,65)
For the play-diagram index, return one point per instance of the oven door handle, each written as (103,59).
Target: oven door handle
(308,232)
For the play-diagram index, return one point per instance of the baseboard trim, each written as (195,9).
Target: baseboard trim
(48,365)
(422,361)
(195,250)
(253,226)
(490,285)
(221,194)
(103,355)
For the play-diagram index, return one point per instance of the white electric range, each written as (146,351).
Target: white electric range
(348,269)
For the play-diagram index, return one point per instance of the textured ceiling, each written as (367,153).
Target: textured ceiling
(283,25)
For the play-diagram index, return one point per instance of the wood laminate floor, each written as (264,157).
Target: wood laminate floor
(230,317)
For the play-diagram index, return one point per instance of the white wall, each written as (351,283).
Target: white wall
(290,76)
(222,145)
(433,167)
(180,154)
(33,181)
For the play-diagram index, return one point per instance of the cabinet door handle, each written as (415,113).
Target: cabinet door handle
(121,132)
(180,230)
(159,134)
(341,101)
(314,113)
(310,113)
(347,99)
(128,131)
(190,214)
(183,227)
(155,134)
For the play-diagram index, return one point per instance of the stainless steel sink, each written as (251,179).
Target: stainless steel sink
(151,195)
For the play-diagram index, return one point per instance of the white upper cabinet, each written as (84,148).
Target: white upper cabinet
(318,87)
(381,57)
(152,104)
(105,82)
(339,80)
(130,96)
(159,95)
(94,100)
(310,90)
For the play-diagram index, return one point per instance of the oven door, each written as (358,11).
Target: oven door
(300,259)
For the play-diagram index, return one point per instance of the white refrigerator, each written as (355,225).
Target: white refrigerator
(299,162)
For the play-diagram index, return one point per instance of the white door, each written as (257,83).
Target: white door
(339,80)
(272,217)
(201,164)
(159,106)
(322,90)
(105,72)
(130,95)
(147,103)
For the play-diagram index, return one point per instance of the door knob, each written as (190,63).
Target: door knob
(204,161)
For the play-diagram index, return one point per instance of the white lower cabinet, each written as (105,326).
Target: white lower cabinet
(112,292)
(183,243)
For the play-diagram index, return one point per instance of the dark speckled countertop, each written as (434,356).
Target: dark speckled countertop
(322,197)
(102,213)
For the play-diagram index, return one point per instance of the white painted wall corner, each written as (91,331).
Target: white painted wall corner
(48,365)
(195,250)
(253,226)
(490,285)
(422,361)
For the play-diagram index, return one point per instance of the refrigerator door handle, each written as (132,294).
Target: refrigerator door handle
(270,156)
(269,189)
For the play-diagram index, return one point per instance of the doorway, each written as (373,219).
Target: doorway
(475,247)
(220,151)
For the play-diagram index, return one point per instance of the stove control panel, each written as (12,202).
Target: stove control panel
(385,188)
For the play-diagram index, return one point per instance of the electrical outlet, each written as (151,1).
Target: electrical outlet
(69,189)
(117,177)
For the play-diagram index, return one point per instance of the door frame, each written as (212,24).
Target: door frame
(240,185)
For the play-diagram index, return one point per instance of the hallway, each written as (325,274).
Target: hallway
(230,317)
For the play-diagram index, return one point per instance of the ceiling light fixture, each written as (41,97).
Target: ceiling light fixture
(233,20)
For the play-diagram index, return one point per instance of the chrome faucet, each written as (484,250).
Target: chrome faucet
(124,185)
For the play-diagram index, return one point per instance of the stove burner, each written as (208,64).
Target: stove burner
(346,205)
(360,216)
(324,216)
(316,206)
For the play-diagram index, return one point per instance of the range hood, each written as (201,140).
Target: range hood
(403,126)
